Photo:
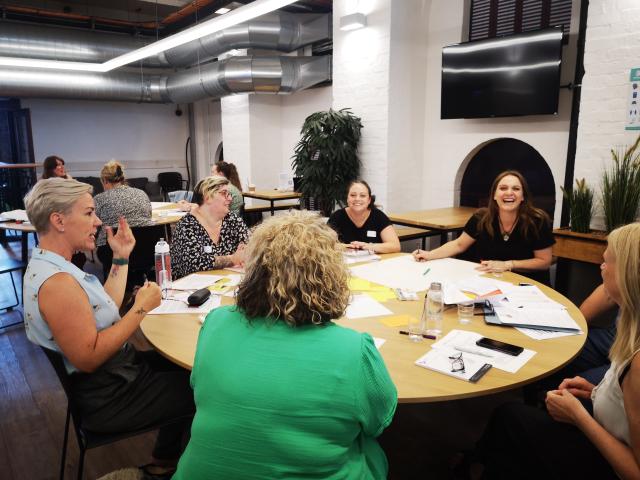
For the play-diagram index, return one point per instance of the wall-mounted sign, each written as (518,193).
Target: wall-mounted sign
(633,112)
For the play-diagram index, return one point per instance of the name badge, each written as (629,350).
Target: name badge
(208,249)
(371,233)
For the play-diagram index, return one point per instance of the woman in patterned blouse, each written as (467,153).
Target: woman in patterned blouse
(118,200)
(211,236)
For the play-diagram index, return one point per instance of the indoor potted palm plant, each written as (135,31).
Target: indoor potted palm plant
(580,201)
(325,159)
(621,187)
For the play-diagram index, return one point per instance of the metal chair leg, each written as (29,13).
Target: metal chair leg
(64,444)
(81,461)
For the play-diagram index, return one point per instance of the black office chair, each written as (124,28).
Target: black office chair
(86,438)
(9,266)
(170,182)
(141,260)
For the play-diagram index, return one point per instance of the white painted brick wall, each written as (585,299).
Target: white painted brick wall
(611,50)
(361,82)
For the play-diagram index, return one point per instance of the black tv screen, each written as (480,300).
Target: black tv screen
(498,77)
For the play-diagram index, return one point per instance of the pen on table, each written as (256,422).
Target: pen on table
(475,351)
(430,337)
(426,271)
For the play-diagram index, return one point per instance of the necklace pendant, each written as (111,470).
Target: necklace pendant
(505,237)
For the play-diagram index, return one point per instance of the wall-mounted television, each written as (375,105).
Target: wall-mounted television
(499,77)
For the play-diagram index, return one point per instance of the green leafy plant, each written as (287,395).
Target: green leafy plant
(580,202)
(621,187)
(326,157)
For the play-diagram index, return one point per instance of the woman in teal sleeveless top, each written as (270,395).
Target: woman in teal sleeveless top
(281,391)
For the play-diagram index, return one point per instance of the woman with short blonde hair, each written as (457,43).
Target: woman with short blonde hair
(117,388)
(304,397)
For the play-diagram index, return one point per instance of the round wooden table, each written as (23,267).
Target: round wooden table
(175,337)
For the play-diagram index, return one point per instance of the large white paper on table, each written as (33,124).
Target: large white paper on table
(461,340)
(178,306)
(404,272)
(196,281)
(20,215)
(362,306)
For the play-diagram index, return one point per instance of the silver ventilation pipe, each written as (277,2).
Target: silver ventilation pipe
(281,31)
(68,44)
(234,75)
(275,31)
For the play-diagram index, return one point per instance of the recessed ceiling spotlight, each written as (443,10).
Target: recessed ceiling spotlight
(222,11)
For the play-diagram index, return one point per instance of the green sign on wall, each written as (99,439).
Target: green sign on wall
(633,115)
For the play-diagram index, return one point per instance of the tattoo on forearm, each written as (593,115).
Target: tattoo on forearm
(141,311)
(114,271)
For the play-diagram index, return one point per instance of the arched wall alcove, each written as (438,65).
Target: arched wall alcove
(487,160)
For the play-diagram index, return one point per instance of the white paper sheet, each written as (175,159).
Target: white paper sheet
(170,307)
(467,340)
(544,334)
(529,296)
(196,281)
(155,205)
(540,317)
(369,257)
(20,215)
(363,305)
(378,342)
(405,272)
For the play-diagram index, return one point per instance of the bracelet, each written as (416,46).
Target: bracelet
(120,261)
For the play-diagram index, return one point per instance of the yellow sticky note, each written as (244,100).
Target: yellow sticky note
(395,320)
(359,284)
(382,295)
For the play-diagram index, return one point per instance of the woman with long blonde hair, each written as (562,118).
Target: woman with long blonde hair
(523,442)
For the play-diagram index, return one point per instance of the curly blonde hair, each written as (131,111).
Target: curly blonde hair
(294,272)
(112,172)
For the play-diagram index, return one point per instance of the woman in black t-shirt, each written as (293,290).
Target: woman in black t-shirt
(361,226)
(511,234)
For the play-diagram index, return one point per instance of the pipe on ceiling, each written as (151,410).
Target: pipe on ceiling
(275,75)
(275,31)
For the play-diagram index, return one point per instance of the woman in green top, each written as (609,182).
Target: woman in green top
(229,171)
(281,391)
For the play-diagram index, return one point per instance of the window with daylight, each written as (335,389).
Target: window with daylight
(495,18)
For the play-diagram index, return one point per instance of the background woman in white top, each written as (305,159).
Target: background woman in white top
(524,442)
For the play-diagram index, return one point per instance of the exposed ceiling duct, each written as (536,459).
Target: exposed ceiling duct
(280,31)
(276,75)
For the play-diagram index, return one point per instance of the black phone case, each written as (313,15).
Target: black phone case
(198,297)
(498,349)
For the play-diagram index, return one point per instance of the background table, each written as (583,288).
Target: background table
(444,220)
(175,337)
(272,196)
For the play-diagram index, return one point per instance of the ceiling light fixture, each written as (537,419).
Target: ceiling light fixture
(353,21)
(222,11)
(234,17)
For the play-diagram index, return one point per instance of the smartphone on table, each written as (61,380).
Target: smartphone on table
(499,346)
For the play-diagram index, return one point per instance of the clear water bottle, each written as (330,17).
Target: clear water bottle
(435,307)
(163,264)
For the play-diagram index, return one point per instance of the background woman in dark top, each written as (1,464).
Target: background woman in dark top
(511,234)
(361,225)
(54,167)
